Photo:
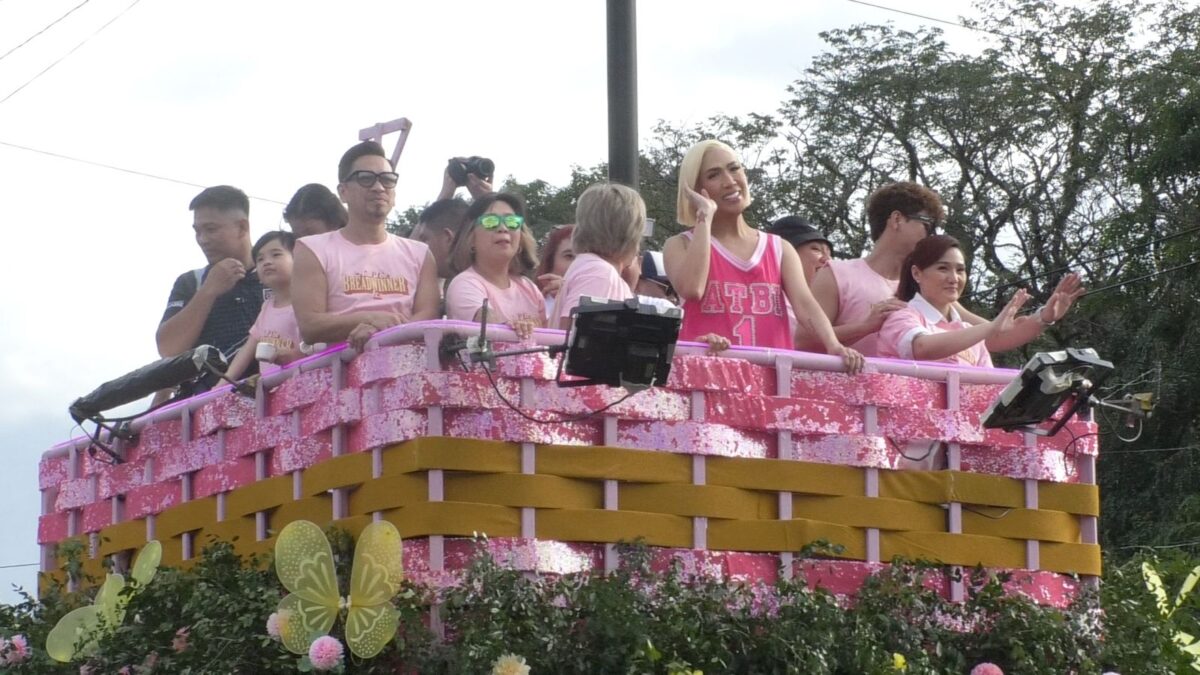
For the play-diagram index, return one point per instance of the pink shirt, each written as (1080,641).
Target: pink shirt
(368,277)
(276,326)
(921,318)
(743,299)
(859,287)
(588,275)
(521,300)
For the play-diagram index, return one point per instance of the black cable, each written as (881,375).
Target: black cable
(48,27)
(1144,277)
(559,420)
(928,451)
(1106,256)
(60,59)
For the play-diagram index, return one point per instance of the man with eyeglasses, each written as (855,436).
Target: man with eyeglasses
(350,283)
(215,305)
(857,295)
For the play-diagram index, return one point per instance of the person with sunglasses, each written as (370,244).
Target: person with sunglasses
(858,295)
(492,259)
(352,282)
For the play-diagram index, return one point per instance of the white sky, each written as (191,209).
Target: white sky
(266,96)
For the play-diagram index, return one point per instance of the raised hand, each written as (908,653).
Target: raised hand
(1004,320)
(1065,294)
(224,275)
(703,206)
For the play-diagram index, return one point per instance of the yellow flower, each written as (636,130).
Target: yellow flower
(510,664)
(898,662)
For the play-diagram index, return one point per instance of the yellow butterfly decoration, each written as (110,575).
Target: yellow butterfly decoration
(304,564)
(1186,642)
(79,632)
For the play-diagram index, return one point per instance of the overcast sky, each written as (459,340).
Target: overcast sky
(266,96)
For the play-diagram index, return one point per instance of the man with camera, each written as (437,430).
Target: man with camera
(474,173)
(350,283)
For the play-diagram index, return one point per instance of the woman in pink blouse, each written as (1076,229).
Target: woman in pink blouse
(492,260)
(930,329)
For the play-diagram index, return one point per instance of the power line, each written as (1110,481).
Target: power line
(72,51)
(134,172)
(1138,451)
(9,567)
(1083,262)
(48,27)
(1010,36)
(1144,277)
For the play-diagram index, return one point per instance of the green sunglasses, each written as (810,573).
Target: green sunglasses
(490,221)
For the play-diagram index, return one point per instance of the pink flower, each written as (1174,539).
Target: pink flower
(273,622)
(86,670)
(325,653)
(124,671)
(180,643)
(987,669)
(17,650)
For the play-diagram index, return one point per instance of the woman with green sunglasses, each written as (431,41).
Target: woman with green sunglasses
(492,260)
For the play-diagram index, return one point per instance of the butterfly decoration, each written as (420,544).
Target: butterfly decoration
(304,564)
(79,632)
(1186,642)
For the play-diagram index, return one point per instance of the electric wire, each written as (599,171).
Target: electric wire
(52,24)
(1022,38)
(135,172)
(69,52)
(1088,261)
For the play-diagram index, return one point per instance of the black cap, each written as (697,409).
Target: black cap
(796,231)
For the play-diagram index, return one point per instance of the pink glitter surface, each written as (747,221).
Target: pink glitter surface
(387,428)
(386,363)
(52,471)
(298,391)
(718,373)
(696,438)
(223,412)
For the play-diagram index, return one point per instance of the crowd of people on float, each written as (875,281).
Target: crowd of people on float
(340,276)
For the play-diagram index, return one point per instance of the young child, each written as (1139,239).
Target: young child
(275,332)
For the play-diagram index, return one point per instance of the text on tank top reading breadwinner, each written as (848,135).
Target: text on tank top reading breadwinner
(376,285)
(743,299)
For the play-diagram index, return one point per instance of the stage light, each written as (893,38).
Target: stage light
(621,343)
(1044,384)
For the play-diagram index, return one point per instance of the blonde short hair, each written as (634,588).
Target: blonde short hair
(609,221)
(689,175)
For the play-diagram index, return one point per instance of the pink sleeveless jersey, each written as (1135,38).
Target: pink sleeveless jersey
(521,300)
(743,299)
(276,326)
(371,277)
(859,287)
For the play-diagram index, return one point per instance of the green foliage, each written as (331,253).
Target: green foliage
(643,619)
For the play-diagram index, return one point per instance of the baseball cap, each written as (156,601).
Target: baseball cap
(654,269)
(796,231)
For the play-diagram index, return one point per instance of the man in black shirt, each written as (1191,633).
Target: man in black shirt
(217,304)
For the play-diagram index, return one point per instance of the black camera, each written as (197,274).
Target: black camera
(460,167)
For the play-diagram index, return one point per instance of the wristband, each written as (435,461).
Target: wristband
(1037,315)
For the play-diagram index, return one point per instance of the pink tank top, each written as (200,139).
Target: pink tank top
(368,277)
(859,287)
(276,326)
(743,299)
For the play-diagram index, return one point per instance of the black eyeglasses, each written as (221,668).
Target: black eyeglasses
(364,178)
(931,225)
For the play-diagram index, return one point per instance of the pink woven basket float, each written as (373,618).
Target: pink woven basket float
(733,467)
